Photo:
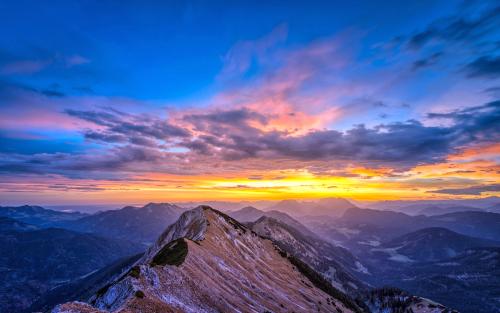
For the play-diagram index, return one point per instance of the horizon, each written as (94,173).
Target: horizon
(190,101)
(259,204)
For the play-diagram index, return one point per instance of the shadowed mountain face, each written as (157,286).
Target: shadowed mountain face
(468,282)
(34,261)
(84,287)
(142,225)
(209,262)
(251,214)
(431,244)
(12,225)
(336,264)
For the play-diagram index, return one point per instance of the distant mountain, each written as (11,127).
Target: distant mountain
(430,210)
(430,244)
(336,264)
(34,262)
(39,216)
(472,223)
(141,225)
(475,224)
(329,207)
(360,229)
(209,262)
(377,217)
(84,287)
(251,214)
(413,207)
(11,225)
(467,282)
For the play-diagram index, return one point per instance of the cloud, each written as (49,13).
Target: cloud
(52,93)
(237,140)
(399,144)
(426,62)
(120,127)
(473,190)
(24,67)
(240,57)
(76,60)
(457,28)
(485,67)
(474,124)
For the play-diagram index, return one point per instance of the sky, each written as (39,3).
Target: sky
(107,102)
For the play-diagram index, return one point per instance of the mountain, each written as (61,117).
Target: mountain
(209,262)
(34,261)
(430,244)
(394,300)
(251,214)
(475,224)
(142,225)
(247,214)
(336,264)
(39,216)
(362,229)
(10,225)
(436,209)
(84,287)
(377,217)
(333,207)
(409,207)
(467,282)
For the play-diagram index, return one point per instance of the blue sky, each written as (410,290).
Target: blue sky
(108,91)
(175,50)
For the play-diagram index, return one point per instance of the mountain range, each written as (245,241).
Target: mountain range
(348,257)
(33,261)
(142,225)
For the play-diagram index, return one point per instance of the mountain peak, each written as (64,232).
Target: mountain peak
(208,261)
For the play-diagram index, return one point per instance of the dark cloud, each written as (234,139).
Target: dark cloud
(457,28)
(474,124)
(403,144)
(493,91)
(117,159)
(487,67)
(223,136)
(52,93)
(473,190)
(426,62)
(218,122)
(120,127)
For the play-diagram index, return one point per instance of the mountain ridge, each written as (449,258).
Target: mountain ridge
(206,236)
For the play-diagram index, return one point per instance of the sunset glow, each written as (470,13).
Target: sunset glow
(360,109)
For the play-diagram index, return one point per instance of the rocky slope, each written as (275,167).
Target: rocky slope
(251,214)
(336,264)
(209,262)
